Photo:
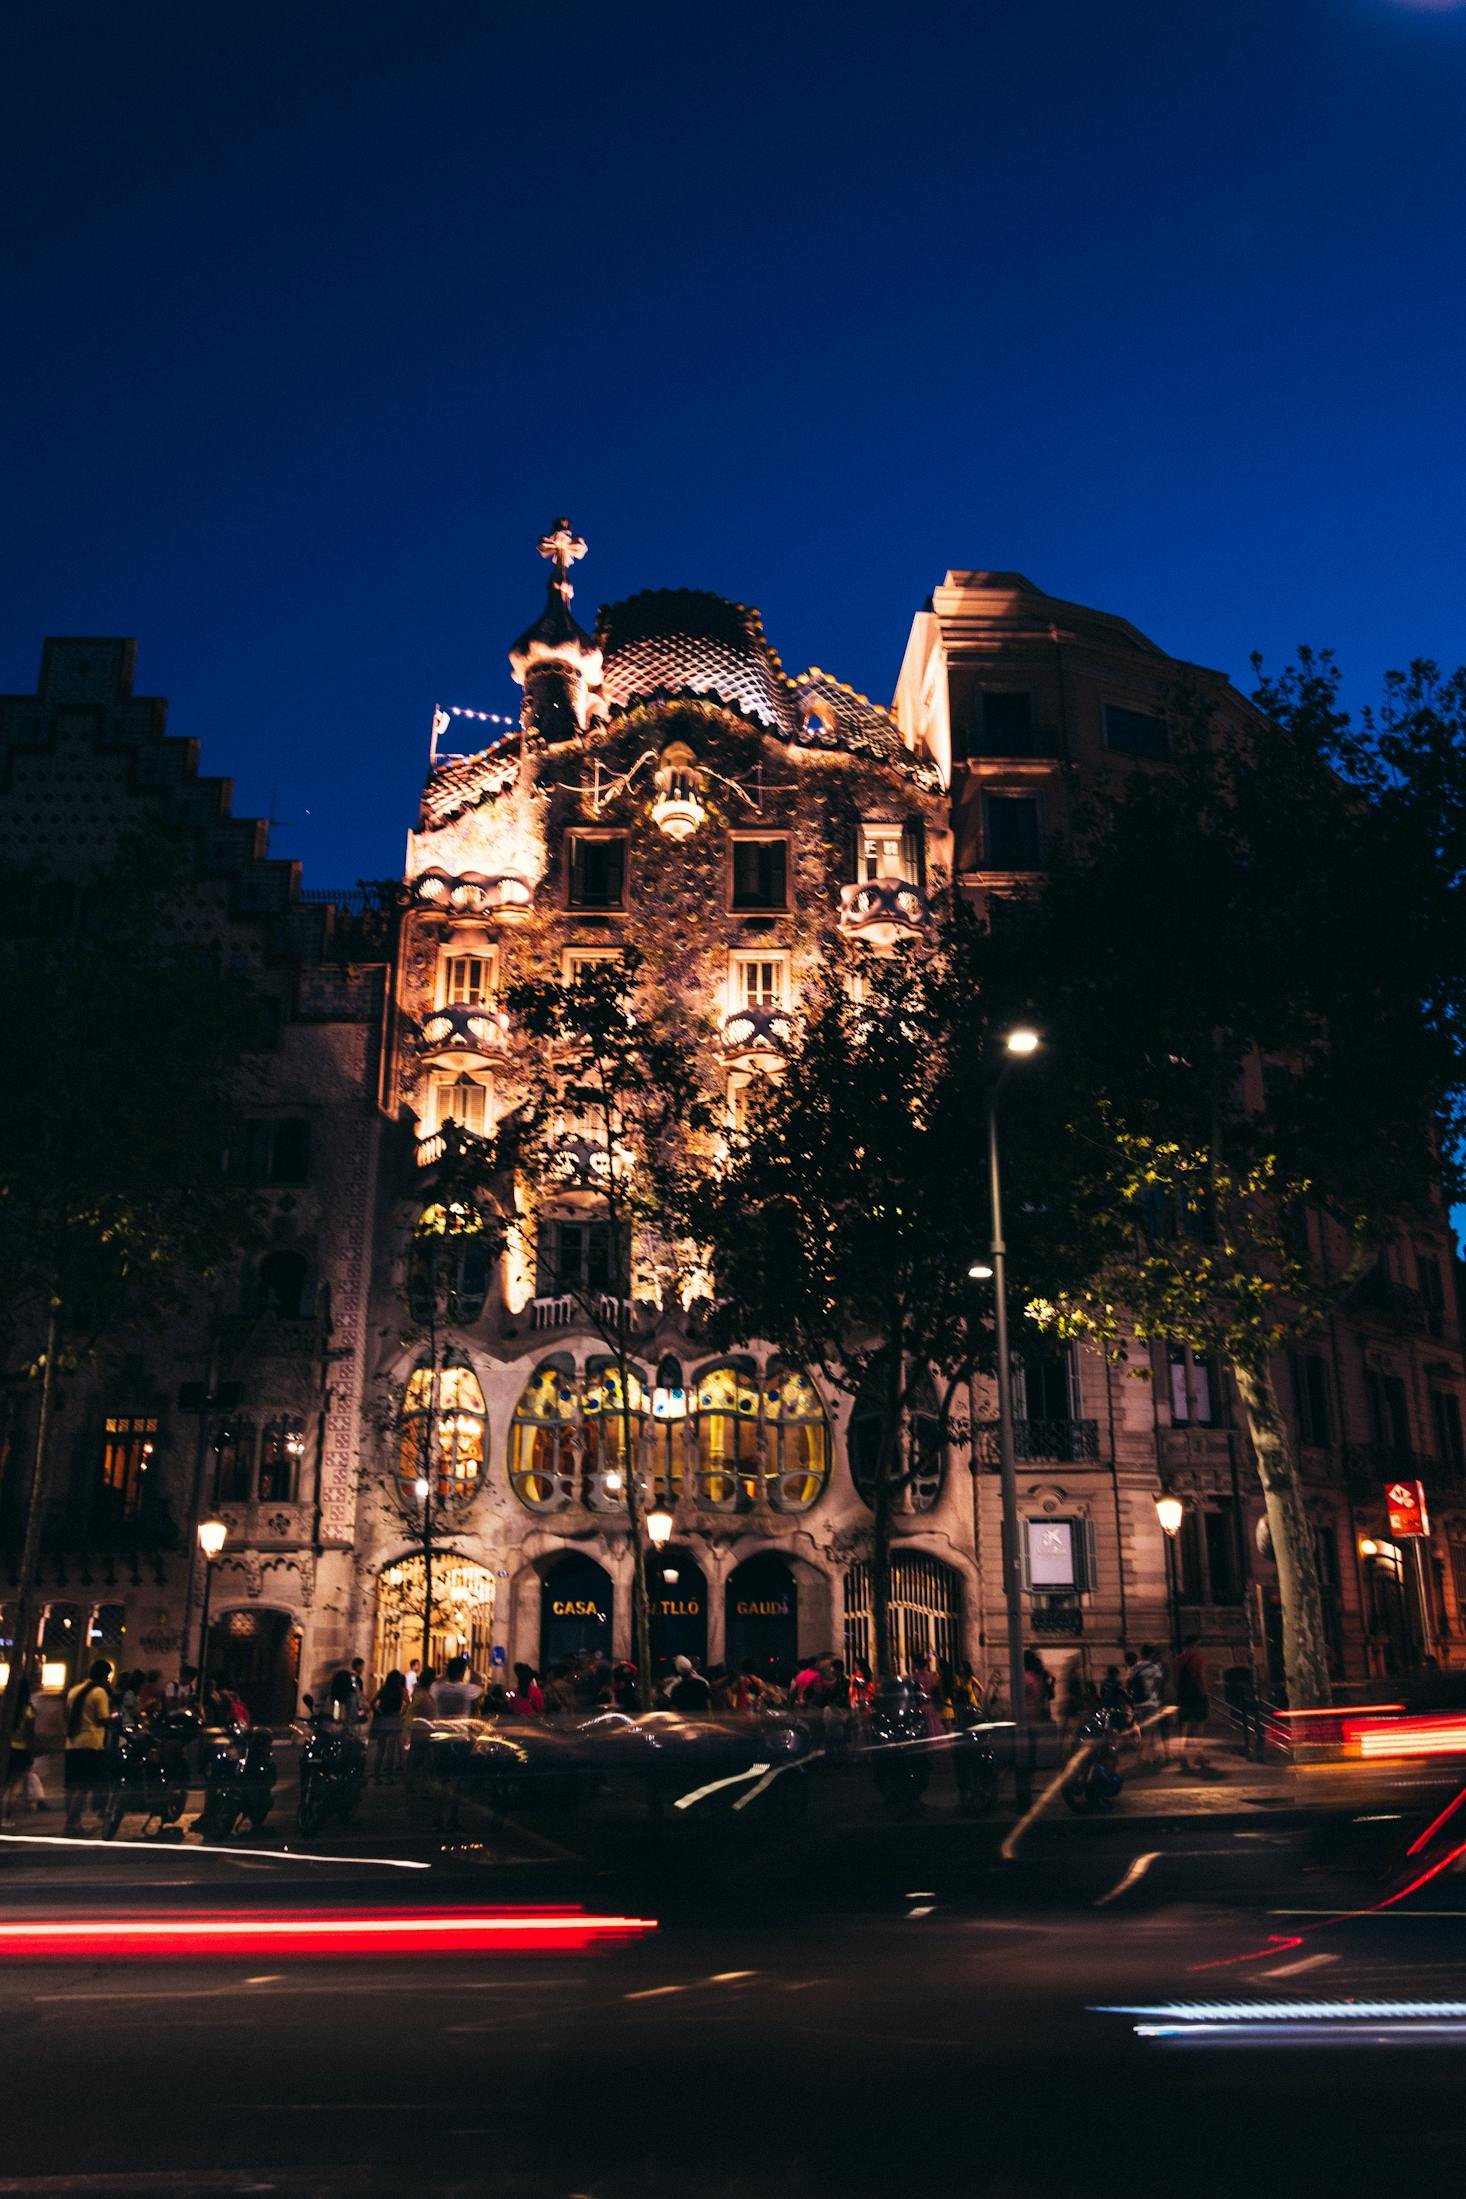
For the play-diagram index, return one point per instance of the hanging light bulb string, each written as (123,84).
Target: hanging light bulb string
(444,713)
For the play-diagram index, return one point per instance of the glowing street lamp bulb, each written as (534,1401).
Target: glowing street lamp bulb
(614,1482)
(659,1527)
(213,1534)
(423,1488)
(980,1272)
(1169,1511)
(1022,1041)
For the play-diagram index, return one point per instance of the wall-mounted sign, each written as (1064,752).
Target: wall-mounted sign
(1405,1501)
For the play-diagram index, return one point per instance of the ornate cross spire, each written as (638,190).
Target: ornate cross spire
(563,547)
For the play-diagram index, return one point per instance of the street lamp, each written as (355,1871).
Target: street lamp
(212,1534)
(659,1526)
(1170,1511)
(980,1272)
(1019,1042)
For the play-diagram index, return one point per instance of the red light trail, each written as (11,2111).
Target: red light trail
(227,1935)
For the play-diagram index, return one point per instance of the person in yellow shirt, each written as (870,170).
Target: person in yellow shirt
(88,1708)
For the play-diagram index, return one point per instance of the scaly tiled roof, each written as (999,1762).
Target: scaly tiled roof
(462,782)
(673,642)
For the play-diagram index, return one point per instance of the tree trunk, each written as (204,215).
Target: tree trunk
(25,1601)
(1305,1654)
(888,1475)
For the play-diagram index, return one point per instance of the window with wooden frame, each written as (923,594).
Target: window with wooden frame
(468,978)
(578,959)
(758,981)
(129,1443)
(596,870)
(760,873)
(462,1099)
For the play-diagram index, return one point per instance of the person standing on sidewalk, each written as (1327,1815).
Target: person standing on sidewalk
(387,1708)
(1192,1706)
(88,1707)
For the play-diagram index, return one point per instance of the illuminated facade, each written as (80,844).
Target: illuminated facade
(673,788)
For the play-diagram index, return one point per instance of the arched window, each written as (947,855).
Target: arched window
(452,1455)
(923,1454)
(567,1441)
(283,1277)
(667,1463)
(727,1434)
(233,1445)
(773,1436)
(799,1440)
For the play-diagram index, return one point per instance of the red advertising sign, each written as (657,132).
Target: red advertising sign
(1406,1502)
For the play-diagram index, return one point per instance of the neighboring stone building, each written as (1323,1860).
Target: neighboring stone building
(1021,698)
(254,1408)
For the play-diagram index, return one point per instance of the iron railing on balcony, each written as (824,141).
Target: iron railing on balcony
(1368,1467)
(1040,1442)
(1389,1301)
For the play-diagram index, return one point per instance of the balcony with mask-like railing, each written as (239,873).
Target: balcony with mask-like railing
(881,911)
(753,1034)
(463,1030)
(506,897)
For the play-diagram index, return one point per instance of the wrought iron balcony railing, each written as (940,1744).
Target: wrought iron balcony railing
(1040,1442)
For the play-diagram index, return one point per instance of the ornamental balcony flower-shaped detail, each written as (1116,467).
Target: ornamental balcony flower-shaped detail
(462,1030)
(752,1034)
(880,911)
(473,894)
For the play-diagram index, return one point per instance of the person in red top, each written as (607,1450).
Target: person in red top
(528,1697)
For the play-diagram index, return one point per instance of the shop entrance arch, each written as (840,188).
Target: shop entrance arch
(762,1615)
(577,1605)
(677,1597)
(925,1607)
(461,1623)
(256,1652)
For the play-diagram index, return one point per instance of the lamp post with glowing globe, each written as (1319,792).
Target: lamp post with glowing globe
(1170,1511)
(212,1536)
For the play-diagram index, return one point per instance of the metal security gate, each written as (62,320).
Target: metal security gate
(925,1607)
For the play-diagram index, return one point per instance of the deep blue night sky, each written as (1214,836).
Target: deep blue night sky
(318,315)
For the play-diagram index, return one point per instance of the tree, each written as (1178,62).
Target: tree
(115,1196)
(437,1433)
(844,1219)
(1249,970)
(610,1123)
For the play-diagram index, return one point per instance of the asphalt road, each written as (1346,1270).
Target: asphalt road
(855,2005)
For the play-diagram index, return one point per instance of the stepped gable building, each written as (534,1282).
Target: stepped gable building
(254,1407)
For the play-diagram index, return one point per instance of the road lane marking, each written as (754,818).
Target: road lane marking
(1132,1877)
(1291,1969)
(214,1855)
(654,1992)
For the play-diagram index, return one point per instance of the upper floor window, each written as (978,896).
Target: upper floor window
(888,850)
(1432,1292)
(233,1444)
(1196,1389)
(462,1099)
(915,1475)
(760,873)
(445,1448)
(1389,1415)
(1311,1398)
(1136,733)
(597,878)
(759,981)
(468,980)
(129,1444)
(1011,836)
(1445,1414)
(578,960)
(1003,722)
(284,1279)
(575,1256)
(273,1150)
(282,1447)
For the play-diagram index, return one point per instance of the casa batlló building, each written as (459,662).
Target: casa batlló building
(673,788)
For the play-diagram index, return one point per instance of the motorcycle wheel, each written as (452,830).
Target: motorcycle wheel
(977,1788)
(173,1804)
(310,1811)
(113,1815)
(1079,1793)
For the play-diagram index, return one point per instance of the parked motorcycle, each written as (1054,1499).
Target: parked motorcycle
(976,1770)
(239,1783)
(896,1732)
(1094,1778)
(332,1771)
(149,1772)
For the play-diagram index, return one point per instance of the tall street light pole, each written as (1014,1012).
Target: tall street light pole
(212,1534)
(1170,1511)
(1018,1043)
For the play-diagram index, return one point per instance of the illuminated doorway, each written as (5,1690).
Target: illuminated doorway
(462,1622)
